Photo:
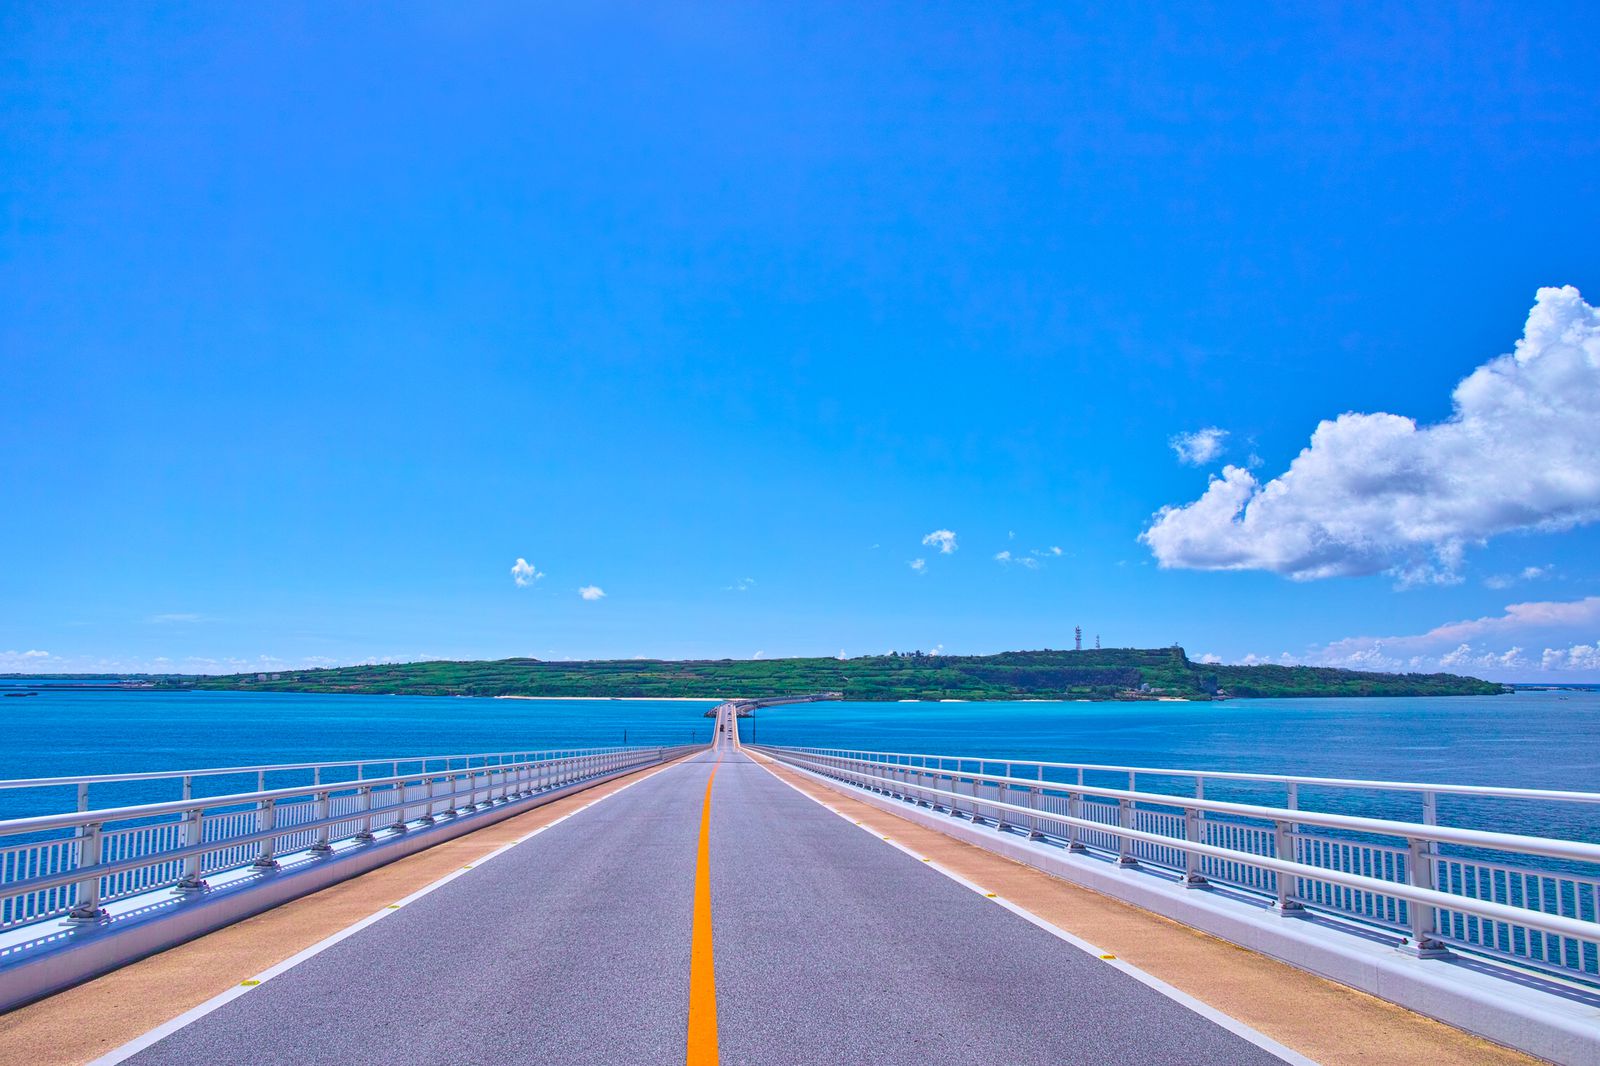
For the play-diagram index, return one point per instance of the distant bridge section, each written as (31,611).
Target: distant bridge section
(745,708)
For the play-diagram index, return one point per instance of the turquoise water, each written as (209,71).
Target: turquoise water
(1534,739)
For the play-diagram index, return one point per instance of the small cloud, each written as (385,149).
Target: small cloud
(592,592)
(1211,657)
(758,655)
(919,565)
(524,573)
(1200,447)
(943,539)
(744,584)
(1006,559)
(841,654)
(23,661)
(1528,573)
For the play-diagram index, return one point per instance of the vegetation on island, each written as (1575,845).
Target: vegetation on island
(1110,673)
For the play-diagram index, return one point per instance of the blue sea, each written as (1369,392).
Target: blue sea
(1528,739)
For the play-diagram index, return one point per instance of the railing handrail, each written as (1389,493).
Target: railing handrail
(71,819)
(217,771)
(1545,847)
(1494,791)
(103,869)
(1540,920)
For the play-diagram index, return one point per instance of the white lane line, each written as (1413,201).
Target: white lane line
(1177,995)
(189,1017)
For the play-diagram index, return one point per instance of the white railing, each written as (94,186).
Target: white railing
(69,865)
(1439,886)
(314,772)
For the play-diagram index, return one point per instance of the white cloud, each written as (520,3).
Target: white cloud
(1376,492)
(942,539)
(1005,558)
(1579,657)
(1211,657)
(1200,447)
(25,661)
(1494,646)
(524,573)
(919,565)
(592,592)
(744,584)
(1528,573)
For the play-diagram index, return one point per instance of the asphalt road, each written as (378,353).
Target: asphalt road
(830,947)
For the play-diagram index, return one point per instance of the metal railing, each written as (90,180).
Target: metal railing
(319,772)
(69,865)
(1440,887)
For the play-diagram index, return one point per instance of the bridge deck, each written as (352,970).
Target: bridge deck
(574,946)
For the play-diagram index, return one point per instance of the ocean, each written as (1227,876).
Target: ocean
(1528,739)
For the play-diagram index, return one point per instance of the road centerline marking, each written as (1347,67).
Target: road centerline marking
(701,1048)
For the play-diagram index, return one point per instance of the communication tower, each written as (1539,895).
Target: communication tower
(1097,642)
(1077,638)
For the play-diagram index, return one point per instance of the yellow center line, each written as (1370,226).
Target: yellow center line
(702,1048)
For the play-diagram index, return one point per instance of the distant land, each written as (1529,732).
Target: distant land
(1111,673)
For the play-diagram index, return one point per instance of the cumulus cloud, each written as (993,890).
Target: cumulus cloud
(919,565)
(1377,492)
(592,592)
(524,573)
(1579,657)
(1200,447)
(1495,646)
(942,539)
(24,661)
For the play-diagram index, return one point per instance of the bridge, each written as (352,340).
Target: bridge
(747,707)
(741,904)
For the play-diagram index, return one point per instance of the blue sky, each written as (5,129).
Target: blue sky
(316,319)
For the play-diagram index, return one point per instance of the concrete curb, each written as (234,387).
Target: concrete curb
(1508,1006)
(75,954)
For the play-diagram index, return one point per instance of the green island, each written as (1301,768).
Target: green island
(1110,673)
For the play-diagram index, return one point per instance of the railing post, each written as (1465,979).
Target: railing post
(324,803)
(1124,844)
(427,815)
(266,820)
(193,836)
(1193,832)
(1424,942)
(1075,810)
(401,787)
(1283,848)
(365,836)
(1002,790)
(88,909)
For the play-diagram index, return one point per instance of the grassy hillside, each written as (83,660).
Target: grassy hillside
(1099,674)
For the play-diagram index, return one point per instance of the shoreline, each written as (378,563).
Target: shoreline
(621,699)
